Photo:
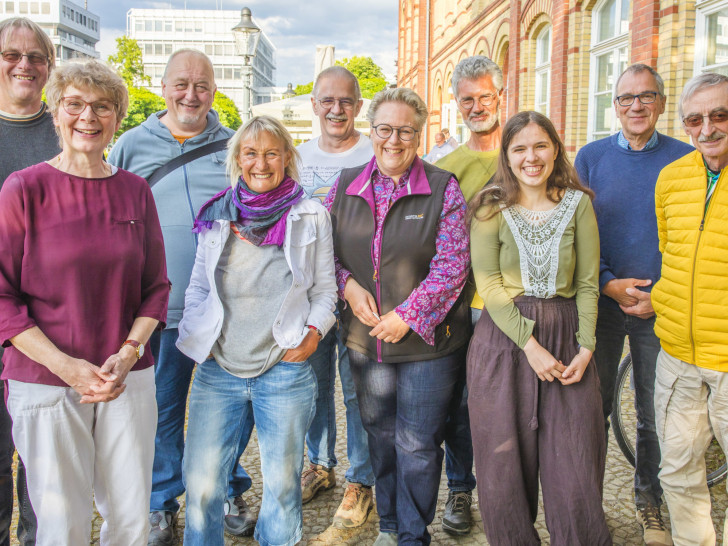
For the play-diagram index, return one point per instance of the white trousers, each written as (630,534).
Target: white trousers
(691,405)
(74,452)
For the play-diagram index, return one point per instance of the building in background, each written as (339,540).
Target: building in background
(159,32)
(73,29)
(560,57)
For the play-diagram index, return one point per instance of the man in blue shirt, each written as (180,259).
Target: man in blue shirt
(622,170)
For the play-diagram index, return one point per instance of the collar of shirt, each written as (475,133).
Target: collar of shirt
(380,178)
(624,143)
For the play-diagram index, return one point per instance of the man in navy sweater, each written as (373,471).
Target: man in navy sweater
(622,170)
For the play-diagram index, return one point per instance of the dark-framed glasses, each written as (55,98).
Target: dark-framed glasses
(384,131)
(648,97)
(345,103)
(15,56)
(484,100)
(75,106)
(715,117)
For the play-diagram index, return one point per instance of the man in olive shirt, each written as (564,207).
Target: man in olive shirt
(477,84)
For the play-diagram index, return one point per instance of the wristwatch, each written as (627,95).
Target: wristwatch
(138,347)
(320,335)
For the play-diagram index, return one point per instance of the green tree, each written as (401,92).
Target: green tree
(127,61)
(228,112)
(370,75)
(304,89)
(142,104)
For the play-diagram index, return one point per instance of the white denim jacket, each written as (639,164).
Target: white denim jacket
(310,300)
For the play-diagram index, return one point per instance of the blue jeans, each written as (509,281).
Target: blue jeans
(612,327)
(404,409)
(282,401)
(27,524)
(172,375)
(321,437)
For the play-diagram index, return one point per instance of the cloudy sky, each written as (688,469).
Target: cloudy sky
(295,27)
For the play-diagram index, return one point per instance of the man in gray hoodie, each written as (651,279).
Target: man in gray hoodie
(188,123)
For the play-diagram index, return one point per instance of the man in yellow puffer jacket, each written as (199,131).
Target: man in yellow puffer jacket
(691,302)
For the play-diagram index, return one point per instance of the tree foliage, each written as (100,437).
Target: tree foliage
(304,89)
(127,61)
(142,104)
(370,75)
(226,109)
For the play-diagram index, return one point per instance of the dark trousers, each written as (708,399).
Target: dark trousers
(524,428)
(404,408)
(458,442)
(27,524)
(612,327)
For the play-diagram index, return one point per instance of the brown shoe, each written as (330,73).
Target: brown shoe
(653,528)
(314,479)
(355,507)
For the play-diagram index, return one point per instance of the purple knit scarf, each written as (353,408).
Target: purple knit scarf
(260,217)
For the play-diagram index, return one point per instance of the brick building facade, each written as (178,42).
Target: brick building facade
(561,57)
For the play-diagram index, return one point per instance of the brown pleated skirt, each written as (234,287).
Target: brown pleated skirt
(523,427)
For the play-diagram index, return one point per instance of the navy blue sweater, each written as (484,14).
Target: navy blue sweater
(624,184)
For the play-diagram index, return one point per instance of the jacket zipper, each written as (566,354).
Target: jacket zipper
(692,273)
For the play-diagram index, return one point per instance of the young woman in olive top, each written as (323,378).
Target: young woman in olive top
(535,257)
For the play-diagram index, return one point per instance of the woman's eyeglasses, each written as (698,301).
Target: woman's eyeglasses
(75,106)
(385,131)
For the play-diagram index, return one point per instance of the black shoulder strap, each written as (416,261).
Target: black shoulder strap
(177,162)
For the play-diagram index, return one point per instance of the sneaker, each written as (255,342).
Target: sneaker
(457,518)
(386,539)
(163,529)
(355,507)
(314,479)
(239,519)
(654,531)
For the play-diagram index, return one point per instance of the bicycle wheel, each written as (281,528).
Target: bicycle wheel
(624,425)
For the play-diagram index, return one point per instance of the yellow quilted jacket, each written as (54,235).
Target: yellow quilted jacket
(691,297)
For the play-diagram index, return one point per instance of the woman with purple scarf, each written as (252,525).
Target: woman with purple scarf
(261,296)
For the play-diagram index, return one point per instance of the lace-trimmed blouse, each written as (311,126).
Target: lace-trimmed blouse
(538,253)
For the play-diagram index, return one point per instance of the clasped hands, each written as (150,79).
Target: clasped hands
(100,383)
(548,368)
(390,328)
(630,298)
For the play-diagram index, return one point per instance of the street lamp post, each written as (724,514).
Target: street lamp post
(246,34)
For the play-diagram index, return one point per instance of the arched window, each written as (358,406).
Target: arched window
(609,58)
(543,70)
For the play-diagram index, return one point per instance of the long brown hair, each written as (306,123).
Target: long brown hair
(504,189)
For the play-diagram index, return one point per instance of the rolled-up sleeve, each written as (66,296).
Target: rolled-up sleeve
(155,284)
(14,315)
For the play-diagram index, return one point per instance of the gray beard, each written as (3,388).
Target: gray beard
(483,126)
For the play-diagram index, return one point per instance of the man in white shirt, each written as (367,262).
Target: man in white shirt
(336,101)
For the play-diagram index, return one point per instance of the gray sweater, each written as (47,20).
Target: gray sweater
(26,142)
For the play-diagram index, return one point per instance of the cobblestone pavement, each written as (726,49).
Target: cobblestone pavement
(317,515)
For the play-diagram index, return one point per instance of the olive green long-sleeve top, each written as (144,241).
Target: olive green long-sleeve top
(499,276)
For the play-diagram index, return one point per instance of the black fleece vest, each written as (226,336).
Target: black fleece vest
(408,246)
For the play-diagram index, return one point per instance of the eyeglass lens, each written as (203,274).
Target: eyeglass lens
(696,120)
(15,56)
(76,106)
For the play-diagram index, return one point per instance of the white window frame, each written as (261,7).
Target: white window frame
(614,43)
(702,11)
(541,69)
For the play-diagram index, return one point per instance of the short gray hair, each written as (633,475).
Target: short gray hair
(636,69)
(477,66)
(403,95)
(8,26)
(337,72)
(698,83)
(252,129)
(189,51)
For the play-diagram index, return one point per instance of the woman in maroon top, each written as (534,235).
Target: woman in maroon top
(82,286)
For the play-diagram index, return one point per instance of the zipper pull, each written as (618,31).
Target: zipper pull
(702,223)
(447,330)
(375,272)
